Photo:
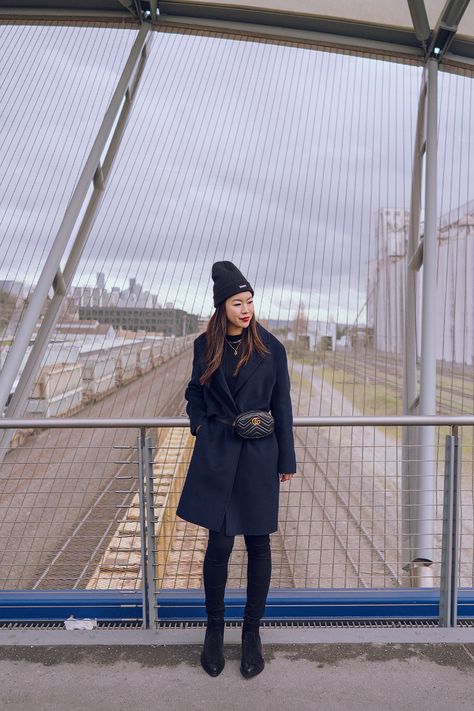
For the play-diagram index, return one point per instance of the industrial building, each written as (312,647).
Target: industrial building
(168,322)
(455,284)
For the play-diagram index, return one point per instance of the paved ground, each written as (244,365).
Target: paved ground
(297,677)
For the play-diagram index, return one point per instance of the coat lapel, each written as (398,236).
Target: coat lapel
(256,359)
(244,373)
(247,370)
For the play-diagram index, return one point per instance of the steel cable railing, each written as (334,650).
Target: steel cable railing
(99,515)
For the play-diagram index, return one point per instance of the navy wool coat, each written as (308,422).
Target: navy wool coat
(229,475)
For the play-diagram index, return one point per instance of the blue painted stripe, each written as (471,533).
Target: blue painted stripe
(184,605)
(58,605)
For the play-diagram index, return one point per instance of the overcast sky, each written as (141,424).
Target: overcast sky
(276,158)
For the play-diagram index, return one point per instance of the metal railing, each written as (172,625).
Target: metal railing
(93,513)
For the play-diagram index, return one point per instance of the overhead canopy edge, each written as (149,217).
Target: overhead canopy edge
(396,43)
(291,20)
(290,36)
(47,17)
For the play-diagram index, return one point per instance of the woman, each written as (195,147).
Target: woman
(232,484)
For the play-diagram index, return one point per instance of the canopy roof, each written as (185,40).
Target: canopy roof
(412,27)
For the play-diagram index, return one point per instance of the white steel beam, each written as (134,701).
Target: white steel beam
(425,483)
(447,26)
(93,172)
(154,10)
(419,449)
(410,387)
(420,21)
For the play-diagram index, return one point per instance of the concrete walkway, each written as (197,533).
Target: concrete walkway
(376,676)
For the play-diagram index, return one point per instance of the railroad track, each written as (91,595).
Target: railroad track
(76,559)
(73,563)
(388,373)
(351,528)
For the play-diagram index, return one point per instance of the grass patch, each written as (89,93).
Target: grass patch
(380,397)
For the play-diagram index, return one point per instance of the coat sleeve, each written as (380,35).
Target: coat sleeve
(196,407)
(281,410)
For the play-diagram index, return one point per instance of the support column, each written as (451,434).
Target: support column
(410,385)
(425,482)
(419,445)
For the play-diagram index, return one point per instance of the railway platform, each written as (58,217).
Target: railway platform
(369,669)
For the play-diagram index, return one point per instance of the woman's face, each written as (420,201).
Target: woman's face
(239,309)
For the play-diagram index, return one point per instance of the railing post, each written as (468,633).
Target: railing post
(150,530)
(450,536)
(143,546)
(456,524)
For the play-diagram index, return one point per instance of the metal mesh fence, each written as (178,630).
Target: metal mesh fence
(65,498)
(72,514)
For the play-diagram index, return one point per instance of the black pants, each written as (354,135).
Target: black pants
(215,569)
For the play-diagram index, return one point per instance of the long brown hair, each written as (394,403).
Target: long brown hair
(215,335)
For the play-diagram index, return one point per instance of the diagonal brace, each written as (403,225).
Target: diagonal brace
(93,172)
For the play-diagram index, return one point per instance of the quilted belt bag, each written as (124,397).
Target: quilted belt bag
(251,424)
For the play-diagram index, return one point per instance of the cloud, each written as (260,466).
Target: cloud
(274,157)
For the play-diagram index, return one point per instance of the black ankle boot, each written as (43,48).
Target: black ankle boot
(252,660)
(212,655)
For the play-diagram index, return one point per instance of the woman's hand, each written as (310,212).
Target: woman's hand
(285,477)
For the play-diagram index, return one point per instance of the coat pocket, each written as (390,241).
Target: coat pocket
(201,424)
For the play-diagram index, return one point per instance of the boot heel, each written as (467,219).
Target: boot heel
(252,661)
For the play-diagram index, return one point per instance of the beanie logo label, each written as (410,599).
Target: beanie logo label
(241,286)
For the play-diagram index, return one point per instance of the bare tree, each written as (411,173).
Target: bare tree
(300,321)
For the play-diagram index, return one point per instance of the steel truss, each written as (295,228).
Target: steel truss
(94,174)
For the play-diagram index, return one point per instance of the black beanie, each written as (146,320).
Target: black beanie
(228,280)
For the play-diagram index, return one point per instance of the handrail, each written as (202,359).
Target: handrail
(306,421)
(417,566)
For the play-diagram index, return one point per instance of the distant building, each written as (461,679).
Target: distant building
(314,334)
(84,328)
(386,299)
(455,294)
(135,296)
(175,322)
(97,297)
(112,298)
(86,296)
(76,295)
